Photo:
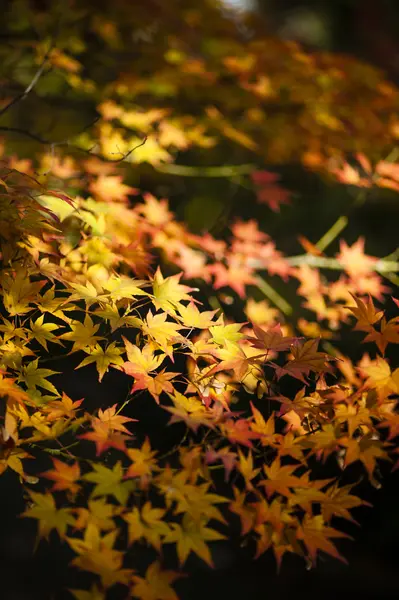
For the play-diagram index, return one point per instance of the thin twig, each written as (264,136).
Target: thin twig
(273,296)
(222,171)
(66,143)
(332,233)
(20,97)
(381,266)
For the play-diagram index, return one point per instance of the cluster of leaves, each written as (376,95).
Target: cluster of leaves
(91,271)
(186,75)
(68,283)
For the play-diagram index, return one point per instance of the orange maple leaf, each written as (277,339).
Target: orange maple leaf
(110,188)
(306,358)
(355,262)
(316,536)
(64,476)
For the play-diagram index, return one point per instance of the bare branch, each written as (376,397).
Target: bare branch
(380,266)
(31,85)
(66,143)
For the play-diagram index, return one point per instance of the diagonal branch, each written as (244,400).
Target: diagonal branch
(31,85)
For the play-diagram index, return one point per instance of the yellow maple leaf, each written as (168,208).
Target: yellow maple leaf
(49,517)
(33,376)
(147,523)
(96,554)
(108,482)
(42,332)
(110,188)
(162,332)
(191,536)
(83,335)
(156,585)
(19,292)
(111,356)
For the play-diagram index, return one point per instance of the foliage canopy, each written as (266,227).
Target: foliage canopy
(108,108)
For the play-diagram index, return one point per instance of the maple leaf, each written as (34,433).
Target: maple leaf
(42,332)
(227,457)
(316,536)
(19,292)
(232,358)
(365,313)
(155,385)
(245,511)
(49,517)
(246,468)
(147,523)
(64,476)
(195,501)
(95,593)
(12,353)
(306,359)
(143,463)
(168,292)
(353,259)
(302,405)
(98,512)
(114,420)
(271,523)
(96,554)
(190,536)
(109,188)
(192,317)
(125,288)
(351,176)
(236,275)
(162,332)
(239,432)
(389,334)
(11,391)
(87,292)
(104,436)
(338,501)
(222,333)
(108,482)
(265,430)
(380,376)
(261,312)
(323,442)
(155,211)
(367,450)
(83,335)
(33,376)
(271,339)
(249,231)
(111,356)
(141,361)
(189,409)
(62,408)
(280,479)
(268,190)
(52,304)
(156,585)
(112,316)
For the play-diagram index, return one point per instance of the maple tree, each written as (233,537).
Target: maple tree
(97,267)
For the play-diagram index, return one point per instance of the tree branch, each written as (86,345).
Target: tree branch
(65,143)
(380,266)
(31,85)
